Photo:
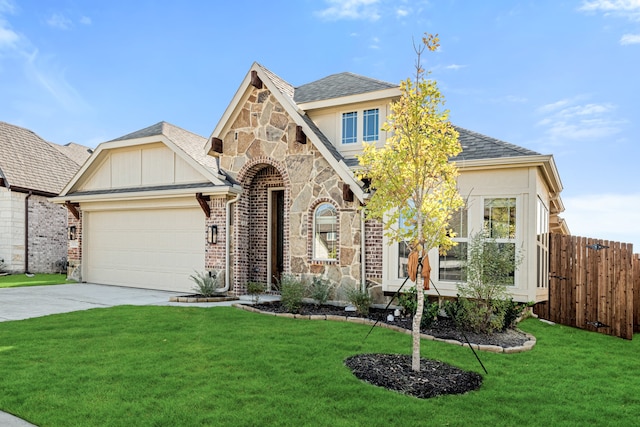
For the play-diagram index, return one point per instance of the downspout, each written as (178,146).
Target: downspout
(363,267)
(26,232)
(227,242)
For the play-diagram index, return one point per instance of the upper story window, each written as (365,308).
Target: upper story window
(350,127)
(370,125)
(325,241)
(367,120)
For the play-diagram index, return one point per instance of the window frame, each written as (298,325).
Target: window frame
(351,117)
(462,238)
(367,115)
(334,233)
(513,233)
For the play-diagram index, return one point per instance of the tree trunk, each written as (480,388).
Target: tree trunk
(417,319)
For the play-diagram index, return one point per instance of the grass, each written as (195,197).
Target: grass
(168,366)
(17,280)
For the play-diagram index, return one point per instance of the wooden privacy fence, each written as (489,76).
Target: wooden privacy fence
(591,285)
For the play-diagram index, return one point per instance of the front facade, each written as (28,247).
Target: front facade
(273,192)
(33,231)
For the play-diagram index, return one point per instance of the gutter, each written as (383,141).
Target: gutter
(227,243)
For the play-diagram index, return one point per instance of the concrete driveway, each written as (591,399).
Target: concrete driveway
(37,301)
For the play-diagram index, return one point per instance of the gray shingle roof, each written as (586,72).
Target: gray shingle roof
(28,161)
(477,146)
(338,85)
(189,142)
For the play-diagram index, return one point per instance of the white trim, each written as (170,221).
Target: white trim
(352,99)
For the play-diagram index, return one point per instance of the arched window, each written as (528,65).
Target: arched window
(325,234)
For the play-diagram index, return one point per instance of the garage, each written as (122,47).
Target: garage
(145,248)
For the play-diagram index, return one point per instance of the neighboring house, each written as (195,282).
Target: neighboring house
(33,231)
(277,195)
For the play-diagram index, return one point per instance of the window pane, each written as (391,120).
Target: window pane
(403,260)
(451,264)
(510,248)
(325,240)
(500,218)
(370,125)
(349,128)
(458,223)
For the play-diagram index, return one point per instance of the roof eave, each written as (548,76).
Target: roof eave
(351,99)
(145,195)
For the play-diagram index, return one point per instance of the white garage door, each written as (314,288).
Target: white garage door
(155,249)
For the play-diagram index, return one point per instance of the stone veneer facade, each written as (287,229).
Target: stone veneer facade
(260,152)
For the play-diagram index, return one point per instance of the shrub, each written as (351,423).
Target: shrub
(489,269)
(255,289)
(360,299)
(291,292)
(320,289)
(455,310)
(205,283)
(409,302)
(513,312)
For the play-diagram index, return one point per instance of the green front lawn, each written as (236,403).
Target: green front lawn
(16,280)
(175,366)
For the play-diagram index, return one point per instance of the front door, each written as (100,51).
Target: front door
(276,237)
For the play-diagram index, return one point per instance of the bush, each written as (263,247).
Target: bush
(320,290)
(291,292)
(489,269)
(205,283)
(255,289)
(409,302)
(360,299)
(513,312)
(455,310)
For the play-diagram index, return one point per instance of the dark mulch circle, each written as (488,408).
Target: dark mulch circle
(393,372)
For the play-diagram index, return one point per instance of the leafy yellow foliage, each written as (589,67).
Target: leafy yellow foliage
(412,176)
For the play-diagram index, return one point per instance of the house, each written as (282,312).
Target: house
(276,194)
(33,231)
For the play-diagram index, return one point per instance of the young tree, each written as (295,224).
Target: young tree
(414,182)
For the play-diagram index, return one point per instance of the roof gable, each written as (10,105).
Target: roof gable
(30,163)
(283,94)
(169,149)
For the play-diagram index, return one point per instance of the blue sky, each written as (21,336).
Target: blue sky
(557,77)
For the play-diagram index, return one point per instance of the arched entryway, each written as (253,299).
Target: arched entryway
(262,232)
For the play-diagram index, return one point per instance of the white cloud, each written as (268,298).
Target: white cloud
(614,217)
(350,9)
(570,119)
(8,37)
(85,20)
(455,67)
(59,21)
(630,39)
(402,12)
